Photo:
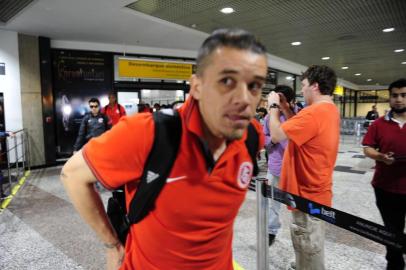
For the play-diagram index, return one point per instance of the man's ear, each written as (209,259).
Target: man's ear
(195,87)
(315,87)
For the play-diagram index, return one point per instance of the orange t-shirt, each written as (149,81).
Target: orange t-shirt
(309,159)
(191,226)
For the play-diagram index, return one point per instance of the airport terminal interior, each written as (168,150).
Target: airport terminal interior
(56,55)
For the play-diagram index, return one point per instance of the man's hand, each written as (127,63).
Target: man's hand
(115,257)
(387,158)
(273,97)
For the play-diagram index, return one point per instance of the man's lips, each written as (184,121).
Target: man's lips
(239,119)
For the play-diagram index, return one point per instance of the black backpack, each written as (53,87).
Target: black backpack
(168,133)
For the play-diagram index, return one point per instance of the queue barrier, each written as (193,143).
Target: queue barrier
(16,162)
(354,126)
(354,224)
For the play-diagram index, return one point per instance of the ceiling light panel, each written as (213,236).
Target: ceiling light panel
(227,10)
(353,29)
(388,30)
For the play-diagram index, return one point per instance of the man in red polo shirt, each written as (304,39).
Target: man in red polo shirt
(113,110)
(191,226)
(385,142)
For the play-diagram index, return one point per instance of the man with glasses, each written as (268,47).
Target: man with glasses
(93,125)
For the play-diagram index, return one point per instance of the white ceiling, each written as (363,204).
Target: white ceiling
(104,21)
(101,21)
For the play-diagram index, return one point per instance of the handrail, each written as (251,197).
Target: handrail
(16,154)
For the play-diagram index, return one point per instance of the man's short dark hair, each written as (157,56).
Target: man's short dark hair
(286,91)
(324,76)
(94,100)
(232,38)
(397,84)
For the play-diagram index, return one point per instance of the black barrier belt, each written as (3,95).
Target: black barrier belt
(363,227)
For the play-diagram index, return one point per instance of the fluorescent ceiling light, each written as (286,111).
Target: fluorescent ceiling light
(296,43)
(357,74)
(403,63)
(227,10)
(399,50)
(344,67)
(325,58)
(368,80)
(387,30)
(289,78)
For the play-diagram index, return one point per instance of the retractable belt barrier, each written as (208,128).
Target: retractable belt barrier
(360,226)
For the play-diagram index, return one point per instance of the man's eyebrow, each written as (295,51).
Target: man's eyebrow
(261,78)
(233,71)
(229,71)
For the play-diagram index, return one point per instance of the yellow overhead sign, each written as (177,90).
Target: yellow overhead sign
(339,90)
(130,68)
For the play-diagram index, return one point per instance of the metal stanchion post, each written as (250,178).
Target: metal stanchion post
(23,150)
(262,226)
(8,162)
(28,151)
(16,157)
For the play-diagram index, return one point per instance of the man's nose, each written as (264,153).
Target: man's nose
(242,94)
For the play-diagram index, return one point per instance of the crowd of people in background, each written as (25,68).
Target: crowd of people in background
(301,144)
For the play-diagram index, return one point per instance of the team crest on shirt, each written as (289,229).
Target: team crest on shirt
(244,174)
(100,120)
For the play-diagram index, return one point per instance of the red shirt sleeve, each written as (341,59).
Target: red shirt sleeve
(302,127)
(118,155)
(370,136)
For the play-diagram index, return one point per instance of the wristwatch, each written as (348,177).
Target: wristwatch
(274,105)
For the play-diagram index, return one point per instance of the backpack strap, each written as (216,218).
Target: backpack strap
(252,144)
(168,132)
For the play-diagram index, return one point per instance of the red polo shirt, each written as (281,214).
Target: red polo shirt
(191,226)
(114,114)
(387,135)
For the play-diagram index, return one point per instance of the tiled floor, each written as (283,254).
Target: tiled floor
(41,230)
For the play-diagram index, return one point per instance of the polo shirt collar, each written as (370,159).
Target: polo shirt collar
(389,117)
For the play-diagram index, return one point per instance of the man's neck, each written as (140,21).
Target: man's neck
(400,116)
(216,145)
(112,105)
(322,98)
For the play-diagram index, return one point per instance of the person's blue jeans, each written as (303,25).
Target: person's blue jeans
(274,223)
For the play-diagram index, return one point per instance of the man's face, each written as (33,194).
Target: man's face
(397,100)
(112,99)
(94,107)
(229,90)
(307,91)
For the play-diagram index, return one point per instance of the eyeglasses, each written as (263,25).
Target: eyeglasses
(93,106)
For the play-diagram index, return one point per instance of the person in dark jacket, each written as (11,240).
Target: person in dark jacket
(93,125)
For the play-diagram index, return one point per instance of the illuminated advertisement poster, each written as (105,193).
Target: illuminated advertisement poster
(77,77)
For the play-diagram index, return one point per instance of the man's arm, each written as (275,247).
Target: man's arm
(387,158)
(78,181)
(278,134)
(81,139)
